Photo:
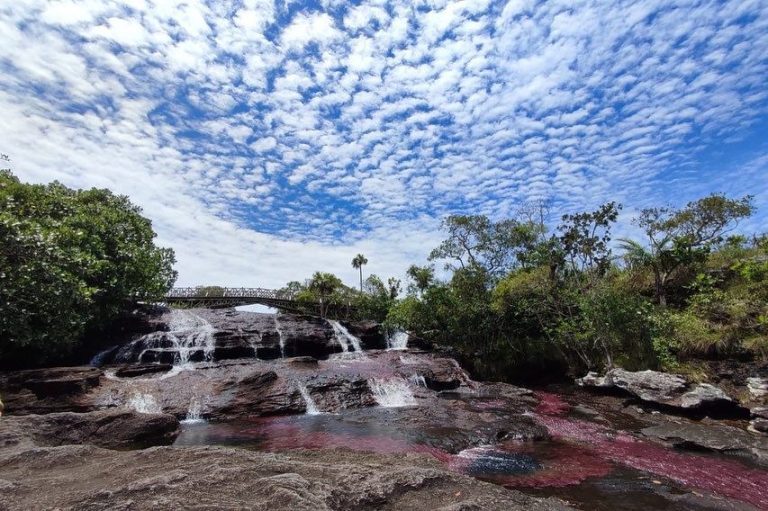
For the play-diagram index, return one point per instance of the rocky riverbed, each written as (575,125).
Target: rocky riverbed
(238,410)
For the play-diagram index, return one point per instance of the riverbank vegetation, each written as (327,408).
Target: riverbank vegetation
(517,299)
(71,261)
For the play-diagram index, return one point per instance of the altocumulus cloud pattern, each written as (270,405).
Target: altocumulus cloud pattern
(294,133)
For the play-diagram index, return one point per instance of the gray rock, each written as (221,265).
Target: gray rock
(758,387)
(664,389)
(715,437)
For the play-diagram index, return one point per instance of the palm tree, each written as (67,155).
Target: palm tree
(358,262)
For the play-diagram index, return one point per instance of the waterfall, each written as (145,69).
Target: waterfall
(194,412)
(144,403)
(310,403)
(344,338)
(255,346)
(391,393)
(418,380)
(190,332)
(280,337)
(397,340)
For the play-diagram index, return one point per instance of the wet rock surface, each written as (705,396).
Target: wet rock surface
(218,478)
(239,334)
(713,437)
(414,418)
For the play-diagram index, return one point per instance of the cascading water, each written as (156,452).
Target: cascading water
(194,412)
(397,340)
(280,337)
(144,403)
(312,408)
(344,338)
(189,332)
(418,380)
(391,393)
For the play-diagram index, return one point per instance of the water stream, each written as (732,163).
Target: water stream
(391,392)
(344,338)
(312,408)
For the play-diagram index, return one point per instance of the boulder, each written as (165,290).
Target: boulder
(112,429)
(757,387)
(667,390)
(40,391)
(713,437)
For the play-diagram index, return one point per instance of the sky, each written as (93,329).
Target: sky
(267,139)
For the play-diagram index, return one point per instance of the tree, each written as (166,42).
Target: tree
(677,238)
(476,241)
(324,284)
(70,262)
(358,262)
(422,277)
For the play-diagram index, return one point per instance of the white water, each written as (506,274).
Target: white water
(418,380)
(312,408)
(344,338)
(397,340)
(144,403)
(391,393)
(189,332)
(280,337)
(194,412)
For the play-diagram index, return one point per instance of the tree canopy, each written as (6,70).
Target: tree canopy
(70,262)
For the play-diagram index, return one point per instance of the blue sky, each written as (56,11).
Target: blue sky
(267,139)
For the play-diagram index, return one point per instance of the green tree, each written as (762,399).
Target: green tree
(678,238)
(323,285)
(70,261)
(358,262)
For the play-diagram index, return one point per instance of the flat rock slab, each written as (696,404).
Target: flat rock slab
(112,429)
(714,437)
(164,478)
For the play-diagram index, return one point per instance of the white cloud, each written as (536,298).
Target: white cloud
(264,148)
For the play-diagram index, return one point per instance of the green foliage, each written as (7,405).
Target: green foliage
(70,261)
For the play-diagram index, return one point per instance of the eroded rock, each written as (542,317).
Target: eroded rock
(112,429)
(715,437)
(667,390)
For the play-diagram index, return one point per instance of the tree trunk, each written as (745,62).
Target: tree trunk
(661,296)
(361,280)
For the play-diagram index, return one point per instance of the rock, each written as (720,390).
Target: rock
(164,478)
(303,361)
(142,369)
(112,429)
(759,425)
(592,379)
(48,390)
(703,395)
(667,390)
(369,333)
(715,437)
(241,334)
(758,387)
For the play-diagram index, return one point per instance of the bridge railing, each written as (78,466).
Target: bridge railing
(180,293)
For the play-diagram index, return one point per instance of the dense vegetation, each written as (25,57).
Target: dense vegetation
(518,300)
(70,262)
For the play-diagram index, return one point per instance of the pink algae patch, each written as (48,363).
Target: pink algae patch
(725,477)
